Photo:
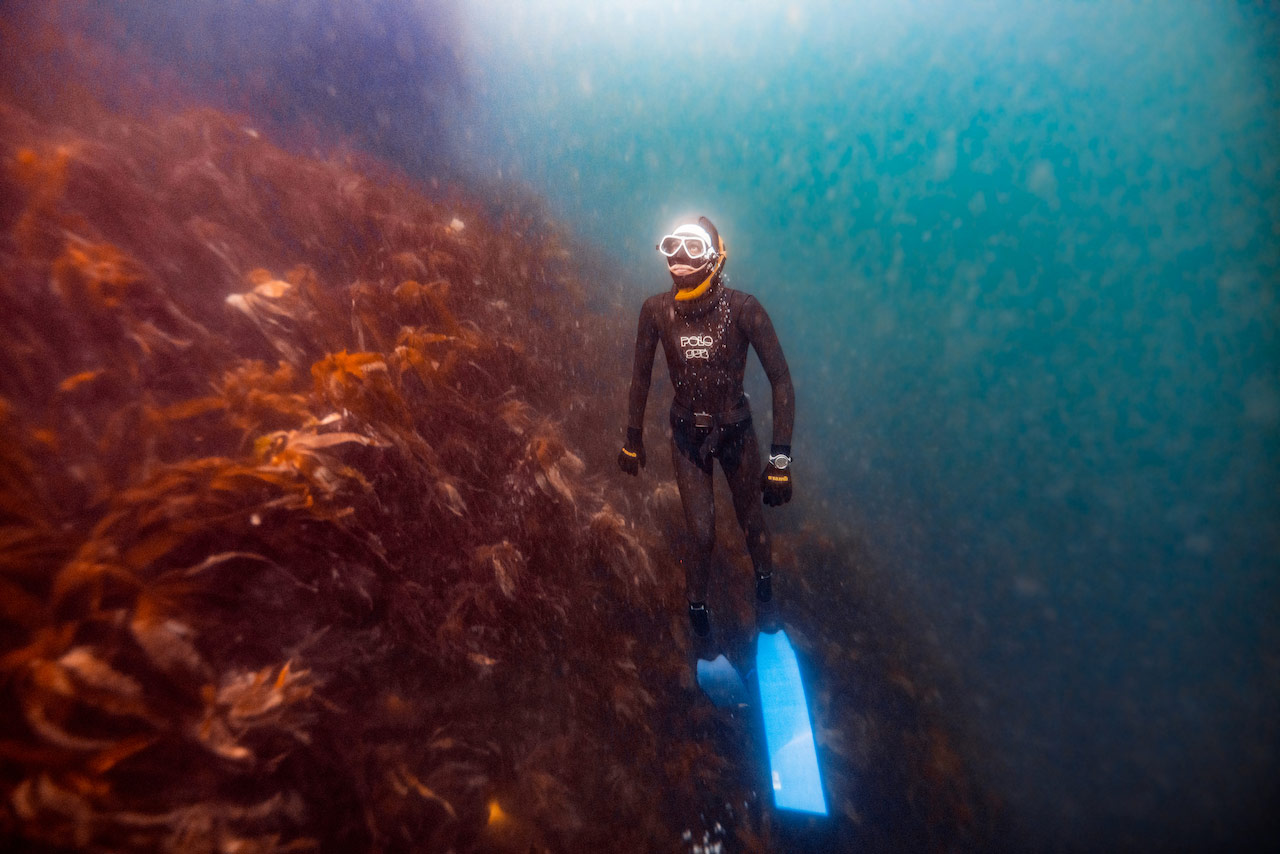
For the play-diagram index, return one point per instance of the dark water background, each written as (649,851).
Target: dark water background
(1023,258)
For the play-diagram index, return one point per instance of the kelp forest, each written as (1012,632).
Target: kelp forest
(311,539)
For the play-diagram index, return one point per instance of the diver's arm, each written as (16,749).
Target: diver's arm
(641,373)
(760,333)
(631,458)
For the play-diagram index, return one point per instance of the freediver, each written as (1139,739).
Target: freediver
(705,327)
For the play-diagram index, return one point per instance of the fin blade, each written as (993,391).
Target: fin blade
(793,756)
(721,682)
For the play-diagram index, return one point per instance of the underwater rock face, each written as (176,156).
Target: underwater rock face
(290,558)
(305,542)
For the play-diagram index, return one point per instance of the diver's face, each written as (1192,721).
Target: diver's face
(689,254)
(680,264)
(686,272)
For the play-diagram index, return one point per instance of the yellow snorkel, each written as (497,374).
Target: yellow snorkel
(705,285)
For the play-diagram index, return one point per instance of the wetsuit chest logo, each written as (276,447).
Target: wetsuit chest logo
(696,346)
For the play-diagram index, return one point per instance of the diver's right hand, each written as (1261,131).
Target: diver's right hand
(631,457)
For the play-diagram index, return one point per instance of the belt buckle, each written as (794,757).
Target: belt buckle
(703,420)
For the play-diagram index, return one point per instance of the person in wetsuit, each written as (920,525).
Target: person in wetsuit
(705,328)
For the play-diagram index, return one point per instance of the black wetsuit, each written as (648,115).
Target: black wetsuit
(705,342)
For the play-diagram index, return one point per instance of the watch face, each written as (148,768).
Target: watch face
(780,461)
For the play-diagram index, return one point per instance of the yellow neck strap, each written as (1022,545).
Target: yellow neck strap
(683,294)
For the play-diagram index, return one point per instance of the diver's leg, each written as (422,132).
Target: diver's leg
(742,469)
(698,501)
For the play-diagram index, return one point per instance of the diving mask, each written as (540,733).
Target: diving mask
(690,240)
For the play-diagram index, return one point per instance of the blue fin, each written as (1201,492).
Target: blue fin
(721,682)
(793,757)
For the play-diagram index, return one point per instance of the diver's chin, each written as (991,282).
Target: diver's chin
(686,277)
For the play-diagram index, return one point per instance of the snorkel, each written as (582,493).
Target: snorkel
(705,285)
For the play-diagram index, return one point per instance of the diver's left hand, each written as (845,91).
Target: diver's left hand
(776,485)
(631,457)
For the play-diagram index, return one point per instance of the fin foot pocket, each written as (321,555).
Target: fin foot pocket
(700,619)
(764,587)
(768,619)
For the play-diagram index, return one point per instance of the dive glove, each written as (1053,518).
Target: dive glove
(776,480)
(631,457)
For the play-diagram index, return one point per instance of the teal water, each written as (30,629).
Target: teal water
(1023,258)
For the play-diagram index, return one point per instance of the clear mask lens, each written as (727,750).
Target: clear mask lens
(694,247)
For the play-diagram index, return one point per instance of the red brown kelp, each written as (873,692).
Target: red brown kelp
(293,559)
